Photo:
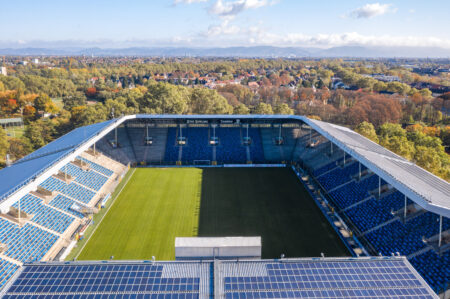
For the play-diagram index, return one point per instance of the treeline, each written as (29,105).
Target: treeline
(417,143)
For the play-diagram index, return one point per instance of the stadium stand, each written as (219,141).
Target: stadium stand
(256,147)
(100,169)
(230,149)
(28,243)
(43,214)
(90,179)
(339,176)
(197,147)
(434,269)
(272,152)
(63,203)
(72,190)
(7,270)
(172,149)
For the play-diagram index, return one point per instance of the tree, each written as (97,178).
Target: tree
(207,101)
(262,108)
(282,109)
(241,109)
(40,133)
(19,147)
(427,158)
(77,99)
(164,98)
(4,144)
(367,130)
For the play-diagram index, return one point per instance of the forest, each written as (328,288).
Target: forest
(59,94)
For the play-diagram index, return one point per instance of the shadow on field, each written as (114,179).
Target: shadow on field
(266,202)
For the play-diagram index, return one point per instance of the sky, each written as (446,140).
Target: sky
(224,23)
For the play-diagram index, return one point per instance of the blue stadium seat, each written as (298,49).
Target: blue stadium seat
(103,170)
(434,269)
(44,215)
(354,192)
(339,176)
(256,147)
(90,179)
(64,203)
(230,149)
(72,190)
(171,146)
(7,269)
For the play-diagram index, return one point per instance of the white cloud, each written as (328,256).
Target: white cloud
(223,29)
(372,10)
(231,8)
(188,1)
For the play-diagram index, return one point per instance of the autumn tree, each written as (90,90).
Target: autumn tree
(367,130)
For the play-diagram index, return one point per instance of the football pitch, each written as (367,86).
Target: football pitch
(159,204)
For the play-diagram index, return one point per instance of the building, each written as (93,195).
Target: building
(3,71)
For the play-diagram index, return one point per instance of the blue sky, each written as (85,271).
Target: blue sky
(206,23)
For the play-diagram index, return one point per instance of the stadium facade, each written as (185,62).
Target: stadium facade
(378,202)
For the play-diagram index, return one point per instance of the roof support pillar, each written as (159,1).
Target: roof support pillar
(310,133)
(115,135)
(440,231)
(359,170)
(379,186)
(344,158)
(404,210)
(94,148)
(331,147)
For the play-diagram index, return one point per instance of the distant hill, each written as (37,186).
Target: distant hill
(248,52)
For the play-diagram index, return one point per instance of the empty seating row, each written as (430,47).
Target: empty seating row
(7,269)
(44,215)
(256,147)
(374,212)
(172,148)
(97,167)
(197,146)
(63,203)
(339,176)
(90,179)
(28,243)
(354,191)
(406,238)
(434,269)
(73,190)
(230,149)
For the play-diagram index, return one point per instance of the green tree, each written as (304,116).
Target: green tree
(241,109)
(4,144)
(367,130)
(164,98)
(207,101)
(262,108)
(282,109)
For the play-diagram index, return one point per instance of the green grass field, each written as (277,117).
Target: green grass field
(159,204)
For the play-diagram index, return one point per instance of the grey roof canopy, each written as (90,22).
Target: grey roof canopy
(419,185)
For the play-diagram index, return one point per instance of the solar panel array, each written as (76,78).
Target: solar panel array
(115,279)
(390,277)
(377,278)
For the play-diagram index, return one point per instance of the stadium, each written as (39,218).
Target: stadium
(96,213)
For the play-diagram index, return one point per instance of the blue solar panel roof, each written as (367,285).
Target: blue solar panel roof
(321,278)
(29,167)
(114,279)
(391,277)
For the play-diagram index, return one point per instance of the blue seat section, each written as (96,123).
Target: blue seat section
(406,238)
(63,203)
(44,215)
(7,269)
(26,244)
(197,146)
(339,176)
(353,192)
(97,167)
(374,211)
(90,179)
(326,168)
(73,190)
(230,148)
(434,269)
(171,154)
(256,147)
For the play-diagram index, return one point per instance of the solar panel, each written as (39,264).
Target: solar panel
(115,279)
(322,278)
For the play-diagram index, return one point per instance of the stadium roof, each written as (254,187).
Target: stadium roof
(419,185)
(375,277)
